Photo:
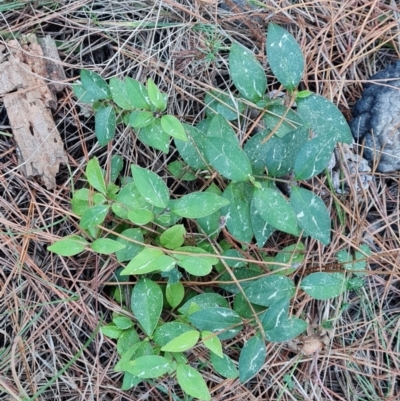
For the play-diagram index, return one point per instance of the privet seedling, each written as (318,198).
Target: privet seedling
(149,238)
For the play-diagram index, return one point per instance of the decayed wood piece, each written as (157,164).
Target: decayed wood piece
(28,100)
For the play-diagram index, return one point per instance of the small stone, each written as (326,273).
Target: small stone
(376,122)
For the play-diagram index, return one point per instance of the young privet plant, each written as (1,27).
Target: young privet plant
(143,226)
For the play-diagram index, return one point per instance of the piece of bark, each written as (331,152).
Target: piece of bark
(28,100)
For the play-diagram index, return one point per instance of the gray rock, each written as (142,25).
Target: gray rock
(377,119)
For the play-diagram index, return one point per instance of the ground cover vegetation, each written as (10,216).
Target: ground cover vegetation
(174,279)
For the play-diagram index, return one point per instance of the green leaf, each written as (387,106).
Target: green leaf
(192,151)
(224,366)
(220,128)
(172,126)
(224,104)
(303,94)
(95,86)
(111,331)
(242,307)
(93,216)
(293,255)
(106,246)
(123,322)
(151,186)
(147,261)
(242,275)
(247,73)
(267,290)
(140,119)
(228,159)
(140,216)
(252,358)
(281,159)
(69,246)
(137,94)
(149,366)
(168,331)
(119,93)
(117,164)
(323,286)
(174,293)
(276,210)
(136,350)
(196,265)
(146,305)
(197,204)
(233,253)
(284,56)
(192,383)
(183,342)
(312,214)
(360,260)
(203,301)
(275,315)
(131,248)
(157,98)
(154,136)
(94,175)
(288,329)
(212,342)
(313,157)
(223,321)
(257,151)
(237,212)
(262,230)
(126,340)
(181,171)
(281,120)
(174,237)
(324,118)
(104,124)
(129,381)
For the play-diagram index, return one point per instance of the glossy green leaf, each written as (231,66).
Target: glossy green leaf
(220,128)
(247,73)
(245,310)
(129,381)
(183,342)
(224,366)
(173,127)
(197,204)
(135,351)
(140,216)
(181,171)
(104,124)
(147,304)
(137,94)
(281,120)
(192,383)
(281,159)
(275,210)
(95,87)
(223,321)
(123,322)
(157,98)
(237,212)
(252,358)
(140,119)
(224,104)
(242,275)
(147,261)
(174,293)
(194,263)
(106,246)
(228,159)
(203,301)
(267,290)
(153,135)
(151,186)
(313,157)
(174,237)
(126,340)
(233,253)
(192,151)
(69,246)
(111,331)
(275,315)
(131,248)
(262,230)
(117,164)
(212,342)
(95,176)
(149,366)
(288,329)
(93,216)
(168,331)
(323,286)
(284,56)
(312,215)
(292,255)
(119,93)
(324,118)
